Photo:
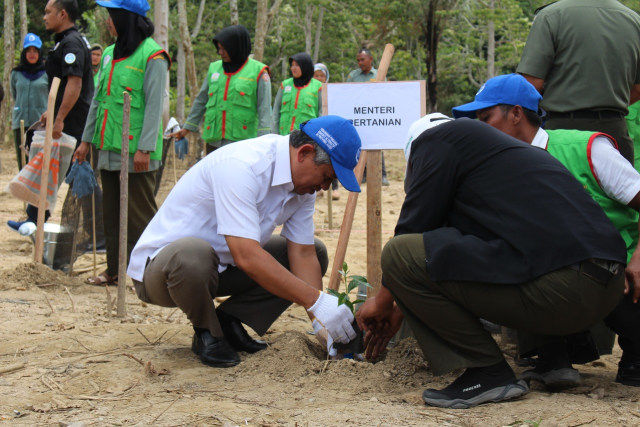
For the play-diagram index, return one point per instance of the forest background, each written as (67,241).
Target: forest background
(455,45)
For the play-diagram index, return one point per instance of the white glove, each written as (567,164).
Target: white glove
(325,339)
(336,319)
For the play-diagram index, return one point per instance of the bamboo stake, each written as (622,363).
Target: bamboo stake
(371,158)
(44,177)
(121,308)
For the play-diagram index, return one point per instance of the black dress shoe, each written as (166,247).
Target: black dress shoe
(237,336)
(214,351)
(629,373)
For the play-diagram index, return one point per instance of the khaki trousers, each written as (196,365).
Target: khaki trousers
(185,274)
(445,316)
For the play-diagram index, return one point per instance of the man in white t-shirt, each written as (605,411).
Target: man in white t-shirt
(510,103)
(212,237)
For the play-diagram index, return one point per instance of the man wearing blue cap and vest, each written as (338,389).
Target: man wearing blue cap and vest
(138,65)
(510,103)
(212,237)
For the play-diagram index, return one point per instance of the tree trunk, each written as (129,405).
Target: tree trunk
(308,27)
(180,85)
(261,30)
(189,60)
(161,36)
(491,43)
(196,27)
(264,18)
(432,37)
(316,45)
(233,9)
(9,51)
(24,29)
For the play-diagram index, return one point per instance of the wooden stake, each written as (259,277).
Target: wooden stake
(23,154)
(44,177)
(93,212)
(121,308)
(371,158)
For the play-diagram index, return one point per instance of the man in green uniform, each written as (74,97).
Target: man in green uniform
(510,103)
(235,97)
(582,55)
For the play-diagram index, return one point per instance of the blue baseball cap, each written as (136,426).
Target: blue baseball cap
(31,40)
(509,89)
(341,141)
(136,6)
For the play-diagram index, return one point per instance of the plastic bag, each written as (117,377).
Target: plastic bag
(26,184)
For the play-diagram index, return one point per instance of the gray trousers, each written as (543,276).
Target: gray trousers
(617,128)
(185,274)
(445,315)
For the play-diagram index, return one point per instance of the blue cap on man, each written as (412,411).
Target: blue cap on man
(136,6)
(341,141)
(31,40)
(509,89)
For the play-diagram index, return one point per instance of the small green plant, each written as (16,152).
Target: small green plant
(350,283)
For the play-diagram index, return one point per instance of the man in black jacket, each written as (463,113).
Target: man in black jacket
(490,228)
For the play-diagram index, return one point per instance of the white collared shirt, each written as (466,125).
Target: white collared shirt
(243,189)
(617,177)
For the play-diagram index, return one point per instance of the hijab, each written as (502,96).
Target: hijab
(31,71)
(132,29)
(320,66)
(306,66)
(237,42)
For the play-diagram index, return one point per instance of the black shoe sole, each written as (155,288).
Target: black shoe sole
(496,394)
(557,379)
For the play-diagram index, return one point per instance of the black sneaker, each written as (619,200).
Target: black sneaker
(476,386)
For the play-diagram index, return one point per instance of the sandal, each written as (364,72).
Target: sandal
(103,279)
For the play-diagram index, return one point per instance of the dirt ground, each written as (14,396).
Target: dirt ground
(65,359)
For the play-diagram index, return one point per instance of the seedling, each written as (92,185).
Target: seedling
(350,283)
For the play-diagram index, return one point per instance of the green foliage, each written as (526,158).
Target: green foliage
(350,283)
(526,422)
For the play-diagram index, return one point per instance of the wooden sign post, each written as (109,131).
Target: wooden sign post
(44,177)
(373,160)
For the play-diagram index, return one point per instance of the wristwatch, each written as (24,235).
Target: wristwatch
(144,151)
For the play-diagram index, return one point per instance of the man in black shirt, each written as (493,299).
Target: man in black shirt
(490,228)
(70,60)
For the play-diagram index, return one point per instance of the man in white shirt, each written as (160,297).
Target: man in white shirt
(510,103)
(213,237)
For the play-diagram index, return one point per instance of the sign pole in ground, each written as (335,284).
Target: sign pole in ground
(44,177)
(121,308)
(374,186)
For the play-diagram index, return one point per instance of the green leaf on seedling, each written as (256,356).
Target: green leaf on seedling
(358,301)
(334,292)
(350,305)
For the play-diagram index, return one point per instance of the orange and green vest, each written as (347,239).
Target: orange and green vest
(298,104)
(116,77)
(573,149)
(633,125)
(231,111)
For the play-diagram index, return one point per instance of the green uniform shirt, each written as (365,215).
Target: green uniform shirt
(572,148)
(153,88)
(587,52)
(294,105)
(357,76)
(263,108)
(633,124)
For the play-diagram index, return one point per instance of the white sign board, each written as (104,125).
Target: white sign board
(381,112)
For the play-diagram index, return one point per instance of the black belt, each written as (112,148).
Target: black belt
(586,114)
(598,269)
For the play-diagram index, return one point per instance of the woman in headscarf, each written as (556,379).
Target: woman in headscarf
(235,97)
(29,89)
(321,72)
(298,98)
(138,65)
